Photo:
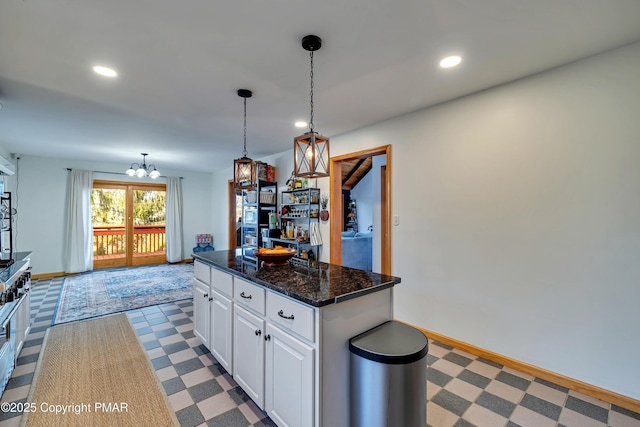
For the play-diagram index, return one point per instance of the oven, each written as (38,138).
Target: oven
(15,316)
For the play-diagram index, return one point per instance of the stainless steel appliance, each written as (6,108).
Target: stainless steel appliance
(15,316)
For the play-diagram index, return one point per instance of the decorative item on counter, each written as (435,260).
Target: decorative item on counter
(324,213)
(274,257)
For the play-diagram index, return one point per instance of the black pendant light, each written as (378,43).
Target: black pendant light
(244,169)
(311,150)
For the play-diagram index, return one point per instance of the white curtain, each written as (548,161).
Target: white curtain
(174,219)
(79,239)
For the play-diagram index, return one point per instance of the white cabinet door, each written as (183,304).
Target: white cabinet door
(289,379)
(248,353)
(201,312)
(221,329)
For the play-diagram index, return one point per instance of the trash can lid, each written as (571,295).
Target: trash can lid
(392,342)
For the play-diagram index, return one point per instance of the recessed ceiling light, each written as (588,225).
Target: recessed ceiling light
(105,71)
(450,61)
(301,124)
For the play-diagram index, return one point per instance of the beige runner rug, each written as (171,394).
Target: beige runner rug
(96,373)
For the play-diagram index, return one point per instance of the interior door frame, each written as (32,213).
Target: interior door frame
(336,207)
(129,259)
(232,192)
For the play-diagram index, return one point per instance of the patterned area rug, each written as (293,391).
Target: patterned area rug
(109,291)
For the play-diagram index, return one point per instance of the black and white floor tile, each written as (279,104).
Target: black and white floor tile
(462,389)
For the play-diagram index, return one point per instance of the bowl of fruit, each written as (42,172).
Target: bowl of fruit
(273,257)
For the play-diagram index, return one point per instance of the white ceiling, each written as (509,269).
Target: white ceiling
(181,63)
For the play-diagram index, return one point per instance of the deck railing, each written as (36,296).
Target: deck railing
(109,242)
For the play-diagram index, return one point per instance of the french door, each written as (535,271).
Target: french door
(128,223)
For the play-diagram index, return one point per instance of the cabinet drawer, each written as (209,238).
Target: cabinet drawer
(222,282)
(202,272)
(249,295)
(293,316)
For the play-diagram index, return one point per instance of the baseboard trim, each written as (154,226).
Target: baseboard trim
(562,380)
(48,275)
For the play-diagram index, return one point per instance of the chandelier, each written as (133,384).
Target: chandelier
(311,150)
(244,169)
(141,169)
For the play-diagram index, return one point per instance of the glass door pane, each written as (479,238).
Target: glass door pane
(148,223)
(108,215)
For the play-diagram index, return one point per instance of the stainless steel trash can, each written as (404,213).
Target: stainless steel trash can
(389,377)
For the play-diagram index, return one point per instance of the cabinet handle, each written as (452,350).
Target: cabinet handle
(281,314)
(267,337)
(258,332)
(245,296)
(211,299)
(206,295)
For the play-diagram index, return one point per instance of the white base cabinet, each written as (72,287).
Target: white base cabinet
(201,311)
(289,379)
(220,329)
(248,363)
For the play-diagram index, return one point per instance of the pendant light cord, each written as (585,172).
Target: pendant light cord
(311,92)
(244,152)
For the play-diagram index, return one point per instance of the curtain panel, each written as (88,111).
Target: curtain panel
(79,233)
(174,220)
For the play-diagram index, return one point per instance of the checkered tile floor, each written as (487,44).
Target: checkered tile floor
(462,389)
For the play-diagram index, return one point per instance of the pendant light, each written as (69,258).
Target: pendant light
(311,150)
(244,169)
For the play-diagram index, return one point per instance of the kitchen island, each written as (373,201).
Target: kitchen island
(283,332)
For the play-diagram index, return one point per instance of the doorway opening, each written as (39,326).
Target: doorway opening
(342,206)
(128,224)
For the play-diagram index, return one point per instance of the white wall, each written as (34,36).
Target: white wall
(520,218)
(42,192)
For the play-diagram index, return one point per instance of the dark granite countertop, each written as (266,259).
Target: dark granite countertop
(318,284)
